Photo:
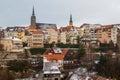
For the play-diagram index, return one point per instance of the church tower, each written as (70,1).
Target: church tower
(33,18)
(70,22)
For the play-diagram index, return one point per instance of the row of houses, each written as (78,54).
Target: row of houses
(36,38)
(37,34)
(100,33)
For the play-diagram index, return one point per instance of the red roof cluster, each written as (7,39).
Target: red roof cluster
(68,28)
(108,26)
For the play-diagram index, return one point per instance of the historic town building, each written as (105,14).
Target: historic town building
(40,25)
(17,32)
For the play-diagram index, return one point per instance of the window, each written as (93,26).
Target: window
(37,43)
(56,79)
(45,75)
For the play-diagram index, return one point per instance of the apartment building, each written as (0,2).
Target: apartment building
(37,39)
(52,35)
(12,44)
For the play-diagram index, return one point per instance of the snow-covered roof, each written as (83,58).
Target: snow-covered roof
(10,38)
(78,77)
(21,50)
(74,77)
(52,72)
(16,39)
(57,50)
(80,74)
(51,68)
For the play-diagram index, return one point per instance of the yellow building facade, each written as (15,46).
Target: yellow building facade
(36,38)
(52,35)
(12,44)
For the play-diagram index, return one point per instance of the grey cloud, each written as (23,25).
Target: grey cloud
(18,12)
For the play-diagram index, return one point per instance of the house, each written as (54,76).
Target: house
(34,37)
(51,35)
(51,71)
(70,61)
(55,55)
(108,33)
(17,32)
(9,32)
(114,32)
(63,37)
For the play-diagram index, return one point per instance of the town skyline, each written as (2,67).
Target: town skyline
(59,40)
(58,12)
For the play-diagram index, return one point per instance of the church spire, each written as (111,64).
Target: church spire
(70,22)
(33,12)
(33,18)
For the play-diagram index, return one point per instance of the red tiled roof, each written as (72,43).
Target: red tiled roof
(37,32)
(63,29)
(108,26)
(67,28)
(53,56)
(64,51)
(31,27)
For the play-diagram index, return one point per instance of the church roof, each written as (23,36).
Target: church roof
(45,25)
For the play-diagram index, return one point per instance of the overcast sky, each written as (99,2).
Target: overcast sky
(18,12)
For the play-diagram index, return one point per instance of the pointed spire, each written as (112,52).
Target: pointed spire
(70,17)
(33,13)
(33,18)
(70,22)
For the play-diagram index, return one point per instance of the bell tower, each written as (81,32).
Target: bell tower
(33,18)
